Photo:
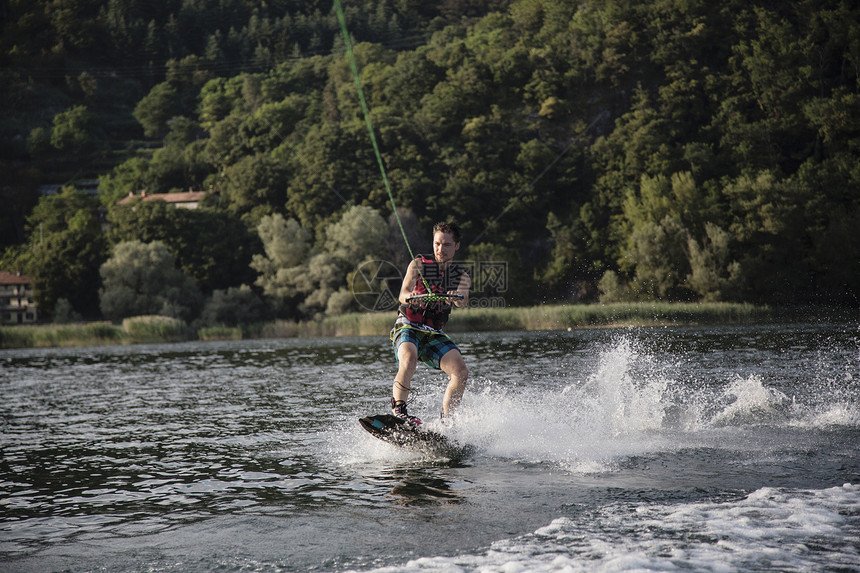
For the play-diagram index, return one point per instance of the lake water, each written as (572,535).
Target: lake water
(644,449)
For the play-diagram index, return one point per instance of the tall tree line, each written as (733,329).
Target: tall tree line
(615,150)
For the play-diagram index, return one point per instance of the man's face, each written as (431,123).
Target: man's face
(444,247)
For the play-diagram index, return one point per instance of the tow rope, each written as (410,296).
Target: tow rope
(351,57)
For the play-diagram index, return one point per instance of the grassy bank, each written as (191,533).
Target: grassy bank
(546,317)
(132,330)
(556,317)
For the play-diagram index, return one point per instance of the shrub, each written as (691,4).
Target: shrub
(155,328)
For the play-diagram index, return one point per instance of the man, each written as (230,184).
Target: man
(417,333)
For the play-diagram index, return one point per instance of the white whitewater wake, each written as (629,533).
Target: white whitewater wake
(629,405)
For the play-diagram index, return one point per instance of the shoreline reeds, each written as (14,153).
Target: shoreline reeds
(158,329)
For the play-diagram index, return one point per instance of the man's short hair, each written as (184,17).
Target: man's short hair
(447,227)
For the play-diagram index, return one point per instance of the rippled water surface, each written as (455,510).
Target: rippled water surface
(724,449)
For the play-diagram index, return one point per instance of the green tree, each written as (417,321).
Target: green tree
(713,275)
(658,224)
(569,270)
(360,233)
(769,225)
(233,306)
(156,109)
(64,265)
(73,131)
(254,185)
(335,165)
(283,268)
(217,99)
(294,273)
(613,289)
(657,252)
(65,249)
(212,247)
(142,279)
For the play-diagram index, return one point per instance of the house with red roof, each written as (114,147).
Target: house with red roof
(183,199)
(16,299)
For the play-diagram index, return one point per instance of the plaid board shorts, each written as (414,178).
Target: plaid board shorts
(431,345)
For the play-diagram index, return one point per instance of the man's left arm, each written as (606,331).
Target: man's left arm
(463,289)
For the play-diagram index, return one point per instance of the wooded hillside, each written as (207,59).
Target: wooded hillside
(614,150)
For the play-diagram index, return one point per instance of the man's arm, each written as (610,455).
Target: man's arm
(463,289)
(409,281)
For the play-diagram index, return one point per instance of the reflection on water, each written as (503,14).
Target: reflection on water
(418,486)
(118,442)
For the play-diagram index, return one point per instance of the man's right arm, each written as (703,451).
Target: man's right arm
(408,286)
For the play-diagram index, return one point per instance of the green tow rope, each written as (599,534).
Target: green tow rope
(351,56)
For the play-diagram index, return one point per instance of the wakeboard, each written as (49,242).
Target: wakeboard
(391,429)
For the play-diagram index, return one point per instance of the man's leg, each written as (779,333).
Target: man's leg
(407,360)
(454,366)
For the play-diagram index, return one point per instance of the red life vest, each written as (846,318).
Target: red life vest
(433,314)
